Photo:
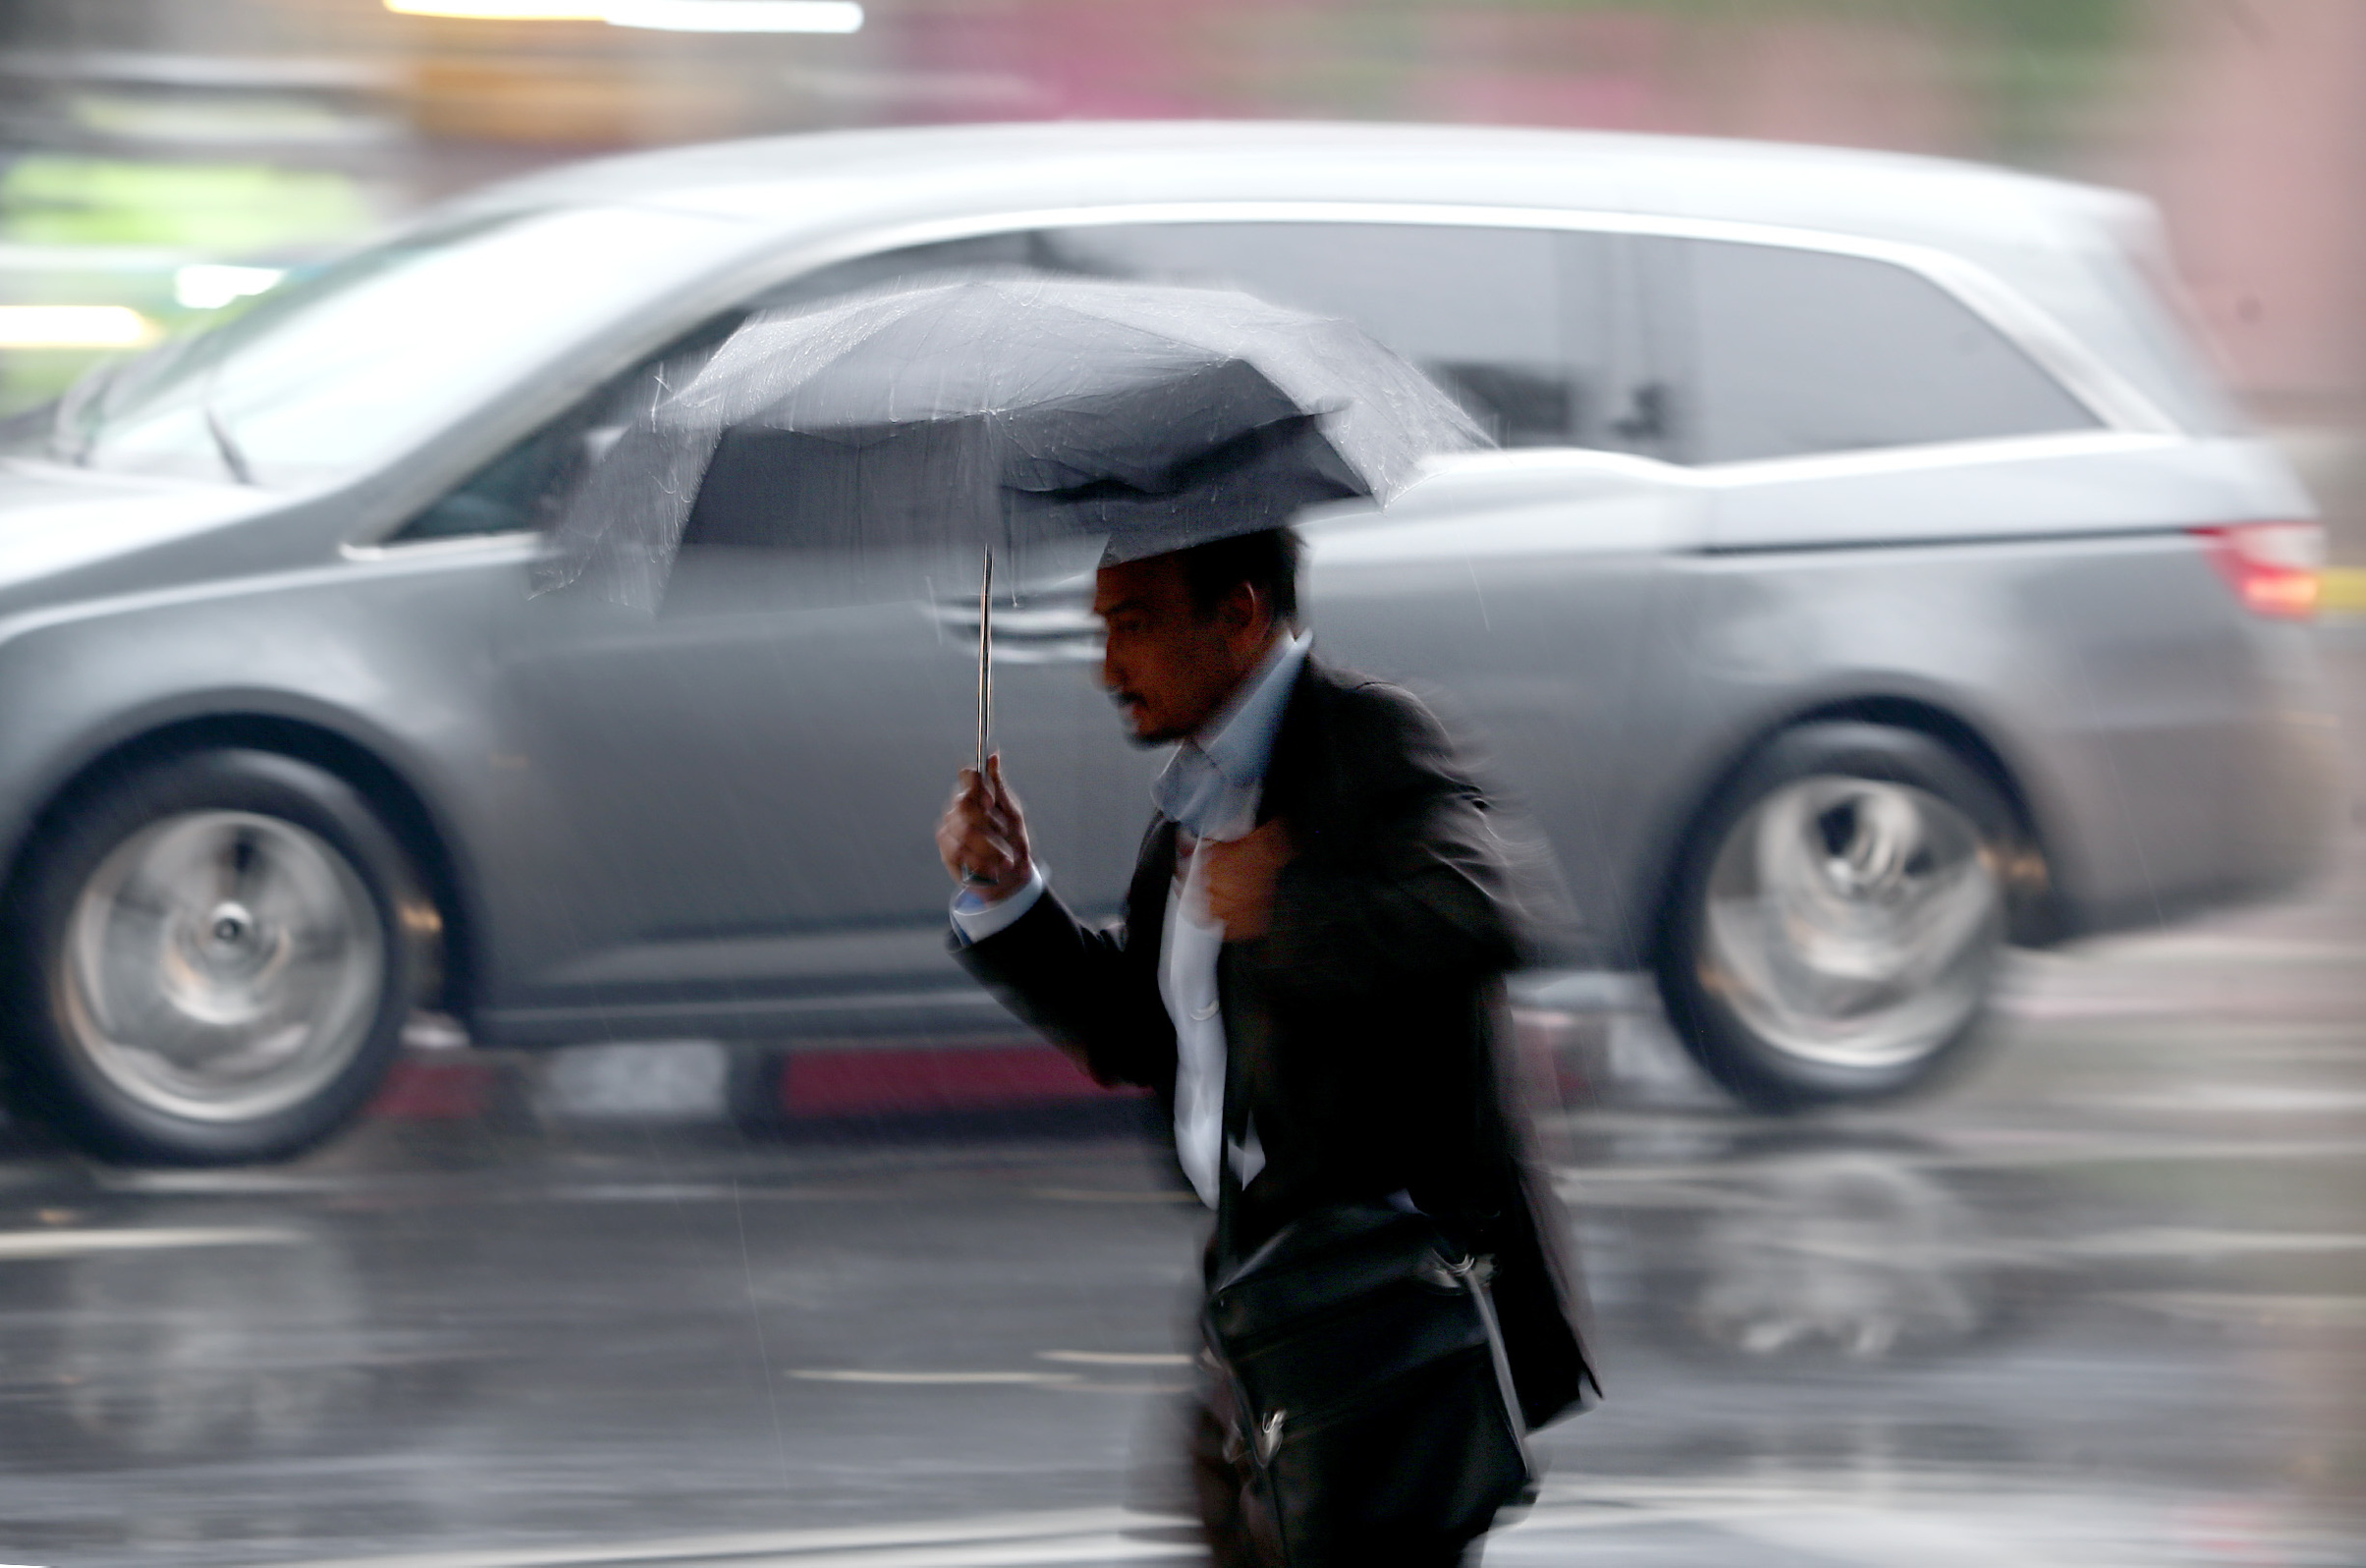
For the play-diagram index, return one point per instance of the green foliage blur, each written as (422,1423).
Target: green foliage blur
(77,230)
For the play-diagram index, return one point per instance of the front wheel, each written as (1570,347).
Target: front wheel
(207,963)
(1837,917)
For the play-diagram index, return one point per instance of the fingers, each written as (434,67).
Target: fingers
(988,788)
(1237,878)
(1270,843)
(982,837)
(973,852)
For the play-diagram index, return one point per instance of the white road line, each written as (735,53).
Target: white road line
(84,1243)
(1116,1358)
(1010,1554)
(2256,1309)
(2170,1241)
(806,1547)
(233,1182)
(930,1379)
(1574,1181)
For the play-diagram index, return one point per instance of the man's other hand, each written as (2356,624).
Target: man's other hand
(1237,877)
(982,838)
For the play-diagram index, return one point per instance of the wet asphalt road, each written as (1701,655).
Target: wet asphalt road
(2102,1303)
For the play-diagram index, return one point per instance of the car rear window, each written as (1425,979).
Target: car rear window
(1785,351)
(1513,323)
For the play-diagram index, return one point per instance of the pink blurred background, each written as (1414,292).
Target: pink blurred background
(2244,118)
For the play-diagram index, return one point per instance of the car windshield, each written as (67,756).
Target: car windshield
(343,371)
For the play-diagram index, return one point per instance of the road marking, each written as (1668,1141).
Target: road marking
(1577,1183)
(2168,1241)
(930,1379)
(84,1243)
(1080,1534)
(1116,1358)
(1851,1523)
(1014,1554)
(2246,1307)
(1879,1539)
(206,1182)
(711,1191)
(1113,1195)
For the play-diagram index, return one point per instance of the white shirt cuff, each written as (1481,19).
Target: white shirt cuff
(976,918)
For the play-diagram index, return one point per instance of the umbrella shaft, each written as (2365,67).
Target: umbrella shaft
(985,659)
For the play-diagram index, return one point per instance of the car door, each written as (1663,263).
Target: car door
(721,814)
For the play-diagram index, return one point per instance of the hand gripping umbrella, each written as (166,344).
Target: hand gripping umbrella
(1000,410)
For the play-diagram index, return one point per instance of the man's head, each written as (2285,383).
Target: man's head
(1185,629)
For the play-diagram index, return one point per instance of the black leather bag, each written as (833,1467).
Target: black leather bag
(1371,1404)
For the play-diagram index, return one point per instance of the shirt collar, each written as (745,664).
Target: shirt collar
(1211,784)
(1239,740)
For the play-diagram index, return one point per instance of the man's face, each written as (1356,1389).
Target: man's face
(1167,666)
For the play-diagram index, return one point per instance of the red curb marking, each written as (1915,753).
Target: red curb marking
(823,1083)
(434,1091)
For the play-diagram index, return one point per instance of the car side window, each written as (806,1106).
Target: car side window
(1513,323)
(525,489)
(1788,352)
(911,267)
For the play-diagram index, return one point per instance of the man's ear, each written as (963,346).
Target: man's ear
(1242,610)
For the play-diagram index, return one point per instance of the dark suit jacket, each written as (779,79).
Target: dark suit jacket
(1367,1025)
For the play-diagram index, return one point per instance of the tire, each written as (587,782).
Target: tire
(1882,853)
(207,962)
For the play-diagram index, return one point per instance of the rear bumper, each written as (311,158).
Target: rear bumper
(2236,806)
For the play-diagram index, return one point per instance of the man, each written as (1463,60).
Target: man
(1322,903)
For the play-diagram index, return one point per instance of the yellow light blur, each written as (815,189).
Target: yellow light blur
(671,16)
(502,10)
(73,327)
(737,16)
(2342,590)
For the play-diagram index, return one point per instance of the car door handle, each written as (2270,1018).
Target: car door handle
(1053,633)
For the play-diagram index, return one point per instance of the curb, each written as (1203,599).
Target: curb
(704,1081)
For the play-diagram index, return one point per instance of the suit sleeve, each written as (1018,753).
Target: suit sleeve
(1410,889)
(1082,986)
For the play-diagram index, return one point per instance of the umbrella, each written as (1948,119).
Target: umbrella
(1000,410)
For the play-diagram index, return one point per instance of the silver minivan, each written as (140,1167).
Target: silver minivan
(1869,577)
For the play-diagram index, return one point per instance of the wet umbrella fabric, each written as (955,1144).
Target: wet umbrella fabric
(999,412)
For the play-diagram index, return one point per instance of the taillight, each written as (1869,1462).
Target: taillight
(2272,567)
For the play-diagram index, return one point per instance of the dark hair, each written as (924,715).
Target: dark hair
(1267,561)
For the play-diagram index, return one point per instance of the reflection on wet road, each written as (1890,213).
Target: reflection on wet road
(2102,1303)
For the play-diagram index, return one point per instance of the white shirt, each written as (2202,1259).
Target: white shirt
(1210,789)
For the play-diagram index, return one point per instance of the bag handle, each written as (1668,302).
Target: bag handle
(1474,1274)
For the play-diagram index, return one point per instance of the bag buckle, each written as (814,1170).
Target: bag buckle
(1459,1275)
(1269,1436)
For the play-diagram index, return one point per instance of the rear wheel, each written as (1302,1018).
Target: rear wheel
(207,963)
(1837,917)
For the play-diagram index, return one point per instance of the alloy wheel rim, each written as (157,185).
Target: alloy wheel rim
(222,966)
(1852,922)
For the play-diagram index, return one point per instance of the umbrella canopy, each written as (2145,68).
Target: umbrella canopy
(997,411)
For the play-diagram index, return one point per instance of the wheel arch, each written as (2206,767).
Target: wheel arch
(2034,910)
(443,923)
